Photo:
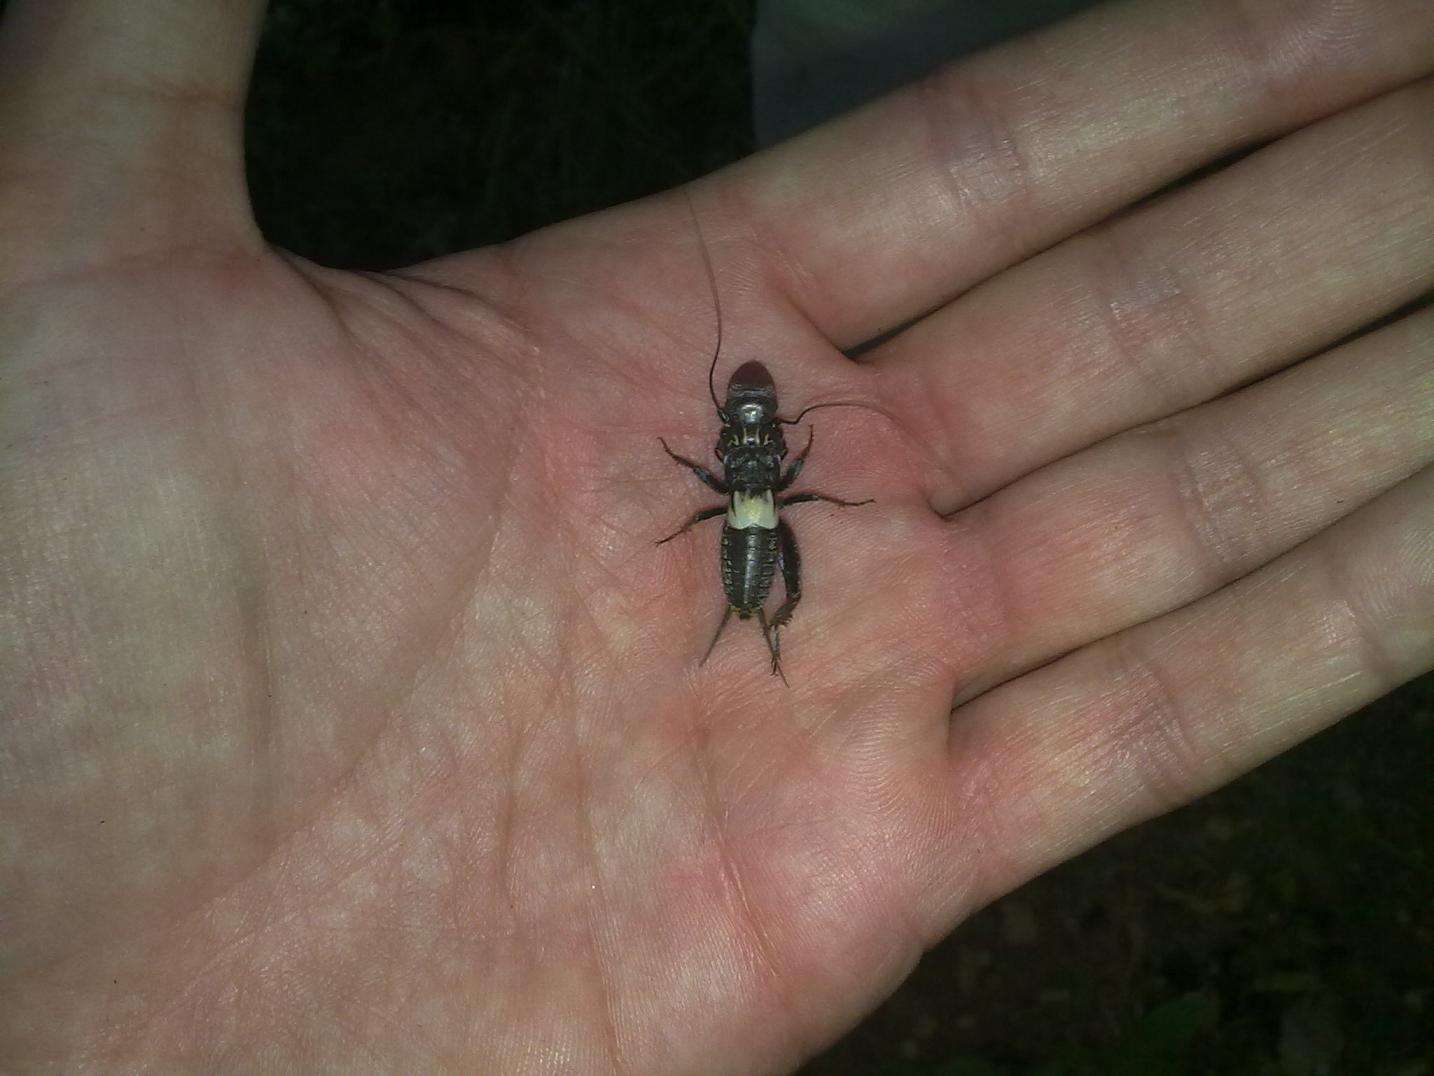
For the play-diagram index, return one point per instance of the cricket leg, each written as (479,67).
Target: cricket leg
(771,646)
(797,464)
(806,498)
(703,474)
(722,624)
(791,563)
(706,513)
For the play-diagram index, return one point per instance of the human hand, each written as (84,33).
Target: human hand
(352,719)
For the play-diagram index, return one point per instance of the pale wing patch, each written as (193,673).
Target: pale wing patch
(752,510)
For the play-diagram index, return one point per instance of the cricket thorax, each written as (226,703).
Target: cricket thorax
(751,455)
(757,509)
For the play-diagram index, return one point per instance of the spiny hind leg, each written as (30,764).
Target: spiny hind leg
(791,561)
(772,647)
(721,626)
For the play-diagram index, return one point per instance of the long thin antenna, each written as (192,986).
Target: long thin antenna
(716,303)
(834,403)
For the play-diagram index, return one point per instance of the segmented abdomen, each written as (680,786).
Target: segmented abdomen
(749,557)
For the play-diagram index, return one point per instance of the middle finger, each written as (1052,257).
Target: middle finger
(1217,284)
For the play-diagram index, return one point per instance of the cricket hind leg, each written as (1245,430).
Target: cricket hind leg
(773,646)
(721,626)
(791,563)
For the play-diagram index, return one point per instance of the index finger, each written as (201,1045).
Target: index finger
(869,221)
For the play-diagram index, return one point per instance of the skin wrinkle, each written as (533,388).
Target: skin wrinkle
(113,1041)
(169,116)
(164,228)
(572,554)
(142,262)
(520,735)
(921,393)
(597,898)
(760,944)
(976,152)
(1334,577)
(408,1032)
(398,385)
(256,634)
(977,528)
(255,641)
(476,324)
(504,864)
(741,793)
(984,609)
(1293,46)
(1157,730)
(1223,498)
(1129,290)
(782,274)
(346,778)
(920,458)
(202,100)
(262,926)
(480,560)
(618,308)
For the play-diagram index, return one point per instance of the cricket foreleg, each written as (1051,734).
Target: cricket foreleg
(706,513)
(704,475)
(796,465)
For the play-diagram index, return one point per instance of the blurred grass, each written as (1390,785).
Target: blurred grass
(1281,926)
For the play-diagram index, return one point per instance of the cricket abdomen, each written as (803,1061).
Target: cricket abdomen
(749,558)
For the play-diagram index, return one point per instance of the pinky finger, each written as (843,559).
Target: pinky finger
(1153,717)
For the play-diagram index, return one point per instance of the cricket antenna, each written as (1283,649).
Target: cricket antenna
(716,303)
(835,403)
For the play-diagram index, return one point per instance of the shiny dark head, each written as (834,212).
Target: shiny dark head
(751,395)
(750,379)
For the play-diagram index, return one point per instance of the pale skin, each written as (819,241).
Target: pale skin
(352,721)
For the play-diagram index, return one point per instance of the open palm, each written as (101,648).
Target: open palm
(352,717)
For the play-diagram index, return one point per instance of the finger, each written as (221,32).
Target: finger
(1147,522)
(1151,718)
(1219,283)
(880,216)
(123,125)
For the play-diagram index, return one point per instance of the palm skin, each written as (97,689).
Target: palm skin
(356,721)
(400,667)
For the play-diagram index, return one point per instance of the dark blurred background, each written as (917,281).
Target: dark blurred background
(1282,926)
(382,132)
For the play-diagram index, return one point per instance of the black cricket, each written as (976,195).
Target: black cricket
(756,541)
